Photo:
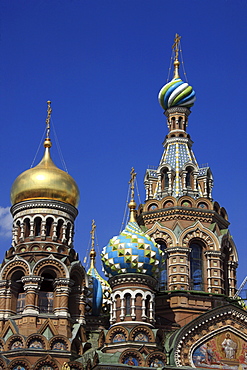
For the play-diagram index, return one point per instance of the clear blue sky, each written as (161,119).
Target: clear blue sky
(102,63)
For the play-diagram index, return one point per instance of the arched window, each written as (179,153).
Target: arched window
(37,226)
(26,227)
(163,270)
(127,303)
(180,121)
(46,293)
(196,266)
(18,298)
(48,226)
(188,179)
(165,179)
(147,306)
(173,123)
(59,229)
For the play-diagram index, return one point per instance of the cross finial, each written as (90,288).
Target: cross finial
(92,252)
(132,182)
(48,118)
(176,61)
(92,232)
(175,45)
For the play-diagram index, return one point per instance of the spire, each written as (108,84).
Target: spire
(175,47)
(176,92)
(47,142)
(92,252)
(132,203)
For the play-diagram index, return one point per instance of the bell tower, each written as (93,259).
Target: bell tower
(199,271)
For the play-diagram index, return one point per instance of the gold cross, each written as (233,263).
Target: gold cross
(49,110)
(132,182)
(175,45)
(92,232)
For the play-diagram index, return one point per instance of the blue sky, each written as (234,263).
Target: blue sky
(102,64)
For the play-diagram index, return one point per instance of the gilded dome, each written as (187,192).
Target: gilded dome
(45,181)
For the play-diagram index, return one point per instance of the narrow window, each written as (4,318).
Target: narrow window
(37,226)
(196,274)
(127,304)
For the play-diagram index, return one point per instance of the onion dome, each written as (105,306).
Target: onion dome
(45,181)
(99,291)
(132,251)
(176,92)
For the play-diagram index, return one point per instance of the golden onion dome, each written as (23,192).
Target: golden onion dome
(45,181)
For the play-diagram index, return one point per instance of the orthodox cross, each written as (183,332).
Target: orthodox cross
(92,232)
(132,182)
(175,45)
(49,110)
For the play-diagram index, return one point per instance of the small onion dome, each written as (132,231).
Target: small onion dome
(99,292)
(176,93)
(131,252)
(45,181)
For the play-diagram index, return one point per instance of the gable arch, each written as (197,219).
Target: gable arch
(197,231)
(57,266)
(12,266)
(158,231)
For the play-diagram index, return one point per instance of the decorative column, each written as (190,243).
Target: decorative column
(61,301)
(31,288)
(43,230)
(169,174)
(4,296)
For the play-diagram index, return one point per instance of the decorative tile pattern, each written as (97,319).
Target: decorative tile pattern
(131,252)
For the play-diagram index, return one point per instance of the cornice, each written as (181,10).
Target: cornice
(133,279)
(52,204)
(180,213)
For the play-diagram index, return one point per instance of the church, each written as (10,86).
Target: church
(168,299)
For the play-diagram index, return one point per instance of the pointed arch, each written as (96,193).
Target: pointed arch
(56,265)
(198,231)
(158,231)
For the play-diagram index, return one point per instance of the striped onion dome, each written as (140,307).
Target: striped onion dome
(176,93)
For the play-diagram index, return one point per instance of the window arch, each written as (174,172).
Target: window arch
(196,266)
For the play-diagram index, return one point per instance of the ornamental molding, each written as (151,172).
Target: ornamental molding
(133,279)
(177,109)
(177,250)
(212,253)
(179,213)
(53,204)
